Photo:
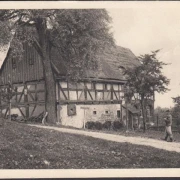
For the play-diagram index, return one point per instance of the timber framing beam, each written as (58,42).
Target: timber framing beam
(90,102)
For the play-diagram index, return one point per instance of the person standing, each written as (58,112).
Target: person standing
(168,124)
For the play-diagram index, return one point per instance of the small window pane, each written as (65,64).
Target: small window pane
(118,113)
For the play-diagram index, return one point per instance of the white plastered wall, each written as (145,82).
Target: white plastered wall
(84,113)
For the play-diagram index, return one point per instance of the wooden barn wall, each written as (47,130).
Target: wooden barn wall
(20,71)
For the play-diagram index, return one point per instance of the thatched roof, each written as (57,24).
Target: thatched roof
(110,64)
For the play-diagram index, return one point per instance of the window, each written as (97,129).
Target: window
(71,109)
(122,69)
(31,55)
(118,113)
(94,112)
(107,112)
(13,63)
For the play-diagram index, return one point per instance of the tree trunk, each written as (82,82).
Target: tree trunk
(144,114)
(50,93)
(50,84)
(127,119)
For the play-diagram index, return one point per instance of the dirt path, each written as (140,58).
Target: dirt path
(169,146)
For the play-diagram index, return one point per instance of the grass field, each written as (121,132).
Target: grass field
(25,147)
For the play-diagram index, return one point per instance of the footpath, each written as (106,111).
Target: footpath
(160,144)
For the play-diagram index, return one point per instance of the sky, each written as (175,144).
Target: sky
(146,28)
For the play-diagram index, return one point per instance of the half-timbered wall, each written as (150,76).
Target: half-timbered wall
(27,75)
(91,101)
(88,101)
(77,103)
(89,92)
(28,100)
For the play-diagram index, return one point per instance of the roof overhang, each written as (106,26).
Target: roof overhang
(132,109)
(96,80)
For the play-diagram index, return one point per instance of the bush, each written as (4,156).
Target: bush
(93,125)
(90,125)
(13,117)
(107,125)
(117,125)
(36,119)
(98,125)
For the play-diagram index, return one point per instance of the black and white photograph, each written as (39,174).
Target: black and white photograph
(90,86)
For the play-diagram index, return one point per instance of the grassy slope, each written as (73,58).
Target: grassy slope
(27,147)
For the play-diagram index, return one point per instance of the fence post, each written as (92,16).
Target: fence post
(127,118)
(10,109)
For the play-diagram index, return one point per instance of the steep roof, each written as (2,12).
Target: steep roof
(110,66)
(113,62)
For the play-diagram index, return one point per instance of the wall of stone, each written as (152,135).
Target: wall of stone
(84,113)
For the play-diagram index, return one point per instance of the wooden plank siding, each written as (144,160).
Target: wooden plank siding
(26,70)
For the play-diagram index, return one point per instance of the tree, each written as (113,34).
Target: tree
(176,100)
(146,79)
(79,35)
(160,113)
(176,115)
(6,94)
(176,110)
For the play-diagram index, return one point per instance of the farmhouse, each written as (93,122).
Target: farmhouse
(98,97)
